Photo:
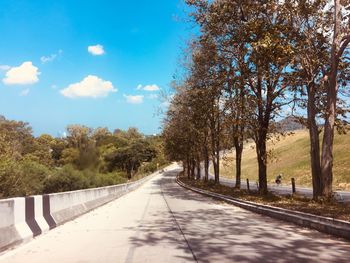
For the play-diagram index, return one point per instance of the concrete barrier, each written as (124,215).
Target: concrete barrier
(13,226)
(68,205)
(23,218)
(39,214)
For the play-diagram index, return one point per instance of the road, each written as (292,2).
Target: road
(162,222)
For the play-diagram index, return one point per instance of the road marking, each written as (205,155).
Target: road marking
(177,224)
(131,251)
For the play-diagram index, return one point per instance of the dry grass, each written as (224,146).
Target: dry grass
(295,203)
(290,156)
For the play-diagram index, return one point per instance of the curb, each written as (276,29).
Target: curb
(326,225)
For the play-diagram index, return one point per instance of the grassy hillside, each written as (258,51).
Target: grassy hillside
(290,156)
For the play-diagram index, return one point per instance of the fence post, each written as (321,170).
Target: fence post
(248,184)
(293,185)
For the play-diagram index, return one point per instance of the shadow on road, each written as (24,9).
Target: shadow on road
(219,232)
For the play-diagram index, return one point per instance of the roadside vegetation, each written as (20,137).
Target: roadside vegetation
(85,158)
(290,156)
(251,64)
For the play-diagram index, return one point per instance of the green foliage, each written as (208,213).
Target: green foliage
(148,168)
(21,178)
(69,156)
(130,157)
(86,158)
(66,179)
(69,179)
(16,138)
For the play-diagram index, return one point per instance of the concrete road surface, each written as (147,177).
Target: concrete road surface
(162,222)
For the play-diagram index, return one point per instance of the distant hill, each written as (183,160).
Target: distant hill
(290,155)
(290,124)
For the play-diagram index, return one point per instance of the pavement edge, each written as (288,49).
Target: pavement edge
(326,225)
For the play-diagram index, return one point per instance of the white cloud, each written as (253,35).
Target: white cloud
(24,74)
(91,86)
(96,50)
(52,57)
(153,87)
(24,92)
(4,67)
(134,99)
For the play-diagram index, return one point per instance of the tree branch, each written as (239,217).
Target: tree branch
(343,46)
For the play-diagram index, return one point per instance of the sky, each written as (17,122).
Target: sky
(96,63)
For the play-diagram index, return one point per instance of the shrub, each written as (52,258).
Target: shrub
(69,179)
(148,168)
(110,179)
(21,178)
(65,179)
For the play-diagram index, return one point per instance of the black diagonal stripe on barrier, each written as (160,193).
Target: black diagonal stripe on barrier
(30,216)
(47,212)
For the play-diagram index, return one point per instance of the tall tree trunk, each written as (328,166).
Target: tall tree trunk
(262,158)
(188,166)
(314,142)
(217,146)
(239,150)
(217,177)
(193,168)
(216,169)
(206,168)
(206,162)
(215,157)
(198,165)
(328,136)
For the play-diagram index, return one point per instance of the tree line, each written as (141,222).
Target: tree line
(252,63)
(84,158)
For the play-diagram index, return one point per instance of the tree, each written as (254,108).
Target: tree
(80,138)
(78,135)
(340,44)
(310,57)
(130,158)
(317,61)
(178,131)
(101,136)
(42,152)
(16,138)
(205,83)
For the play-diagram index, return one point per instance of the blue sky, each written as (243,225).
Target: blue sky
(97,63)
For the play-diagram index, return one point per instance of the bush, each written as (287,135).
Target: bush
(66,179)
(148,168)
(21,178)
(110,179)
(69,179)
